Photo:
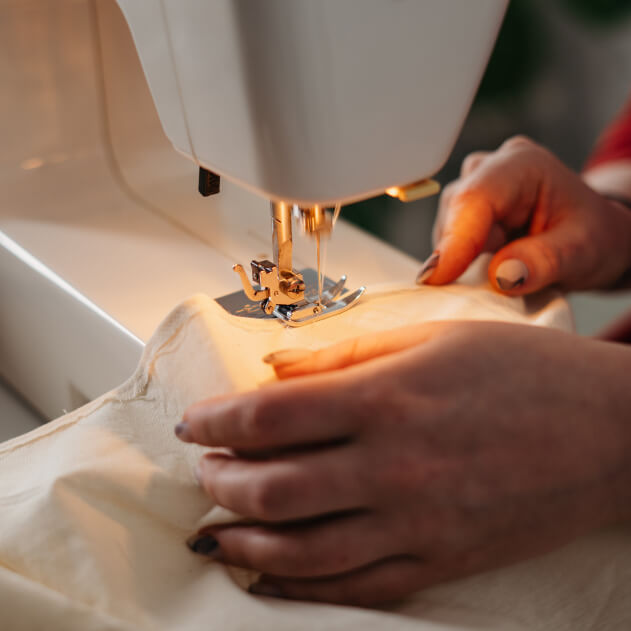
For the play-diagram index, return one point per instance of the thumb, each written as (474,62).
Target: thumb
(297,362)
(534,262)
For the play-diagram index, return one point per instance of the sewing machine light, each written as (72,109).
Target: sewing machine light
(417,190)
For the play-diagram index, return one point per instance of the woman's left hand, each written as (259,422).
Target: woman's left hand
(400,460)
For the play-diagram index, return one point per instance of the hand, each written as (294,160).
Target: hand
(567,233)
(390,463)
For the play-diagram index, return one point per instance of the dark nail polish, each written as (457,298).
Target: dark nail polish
(265,589)
(511,274)
(507,285)
(183,432)
(204,545)
(286,357)
(427,268)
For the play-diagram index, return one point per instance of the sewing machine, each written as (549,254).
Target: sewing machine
(308,103)
(312,104)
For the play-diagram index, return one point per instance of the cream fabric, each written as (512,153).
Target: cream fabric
(95,506)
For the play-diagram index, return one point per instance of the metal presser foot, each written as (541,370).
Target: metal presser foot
(285,296)
(280,291)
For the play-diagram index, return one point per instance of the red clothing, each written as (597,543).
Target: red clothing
(615,143)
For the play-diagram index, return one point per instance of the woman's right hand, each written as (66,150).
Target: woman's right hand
(546,225)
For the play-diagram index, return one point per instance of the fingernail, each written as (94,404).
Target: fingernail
(205,545)
(265,589)
(510,274)
(289,356)
(183,432)
(427,268)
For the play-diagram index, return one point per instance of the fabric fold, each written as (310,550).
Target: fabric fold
(96,506)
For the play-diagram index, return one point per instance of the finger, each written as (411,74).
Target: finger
(472,162)
(276,416)
(447,194)
(329,547)
(466,230)
(287,356)
(497,238)
(258,420)
(380,583)
(443,211)
(360,349)
(502,190)
(556,256)
(291,487)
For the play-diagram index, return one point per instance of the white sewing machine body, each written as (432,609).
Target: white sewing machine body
(102,230)
(314,102)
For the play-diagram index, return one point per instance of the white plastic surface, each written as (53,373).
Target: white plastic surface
(102,229)
(315,101)
(16,416)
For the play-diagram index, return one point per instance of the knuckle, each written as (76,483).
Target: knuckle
(449,191)
(245,548)
(525,146)
(471,162)
(266,500)
(257,418)
(295,560)
(467,163)
(469,244)
(551,261)
(519,141)
(575,259)
(464,196)
(266,551)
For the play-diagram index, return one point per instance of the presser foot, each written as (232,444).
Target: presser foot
(288,296)
(332,303)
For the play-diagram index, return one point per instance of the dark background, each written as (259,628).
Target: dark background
(561,69)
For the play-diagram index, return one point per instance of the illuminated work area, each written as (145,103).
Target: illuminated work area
(224,404)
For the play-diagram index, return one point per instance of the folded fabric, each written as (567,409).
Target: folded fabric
(96,506)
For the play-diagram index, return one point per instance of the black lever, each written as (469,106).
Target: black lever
(209,182)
